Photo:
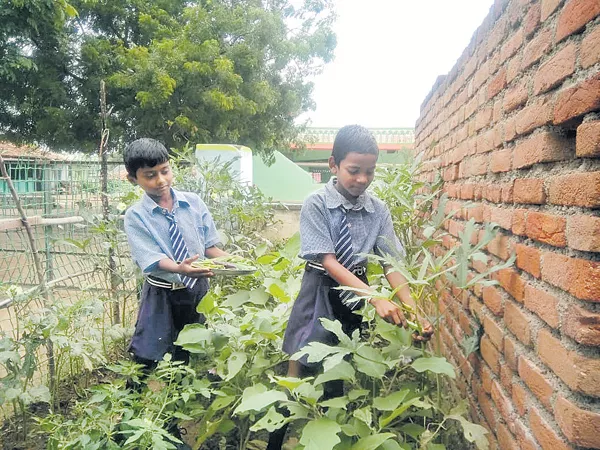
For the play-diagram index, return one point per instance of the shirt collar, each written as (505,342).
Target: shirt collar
(179,200)
(334,199)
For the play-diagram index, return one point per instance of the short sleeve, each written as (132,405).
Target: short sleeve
(387,242)
(145,251)
(315,234)
(211,236)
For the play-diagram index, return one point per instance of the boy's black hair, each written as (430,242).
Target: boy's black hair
(144,152)
(353,138)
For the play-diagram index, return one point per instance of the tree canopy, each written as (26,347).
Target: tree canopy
(228,71)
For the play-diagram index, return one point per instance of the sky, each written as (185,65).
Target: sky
(388,55)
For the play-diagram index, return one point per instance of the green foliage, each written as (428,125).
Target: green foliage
(201,71)
(241,212)
(115,416)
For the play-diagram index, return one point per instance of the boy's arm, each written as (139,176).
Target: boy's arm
(403,294)
(184,267)
(384,308)
(214,252)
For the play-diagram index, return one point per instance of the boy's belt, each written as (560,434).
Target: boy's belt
(164,284)
(356,270)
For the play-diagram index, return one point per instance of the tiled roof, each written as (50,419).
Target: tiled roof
(9,150)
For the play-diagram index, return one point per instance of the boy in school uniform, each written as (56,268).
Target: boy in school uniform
(337,223)
(167,230)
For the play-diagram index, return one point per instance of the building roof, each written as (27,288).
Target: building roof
(322,135)
(10,151)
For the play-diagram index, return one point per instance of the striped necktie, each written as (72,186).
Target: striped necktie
(345,256)
(180,251)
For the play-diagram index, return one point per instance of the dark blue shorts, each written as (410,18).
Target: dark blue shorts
(317,299)
(162,315)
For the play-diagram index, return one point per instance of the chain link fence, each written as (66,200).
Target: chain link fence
(65,270)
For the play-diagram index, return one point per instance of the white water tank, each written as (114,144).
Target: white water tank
(241,156)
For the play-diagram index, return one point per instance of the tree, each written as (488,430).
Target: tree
(232,71)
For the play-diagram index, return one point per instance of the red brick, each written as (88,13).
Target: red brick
(556,269)
(529,191)
(506,440)
(517,322)
(501,160)
(510,129)
(493,300)
(499,246)
(537,48)
(582,325)
(548,7)
(507,377)
(583,233)
(532,20)
(501,216)
(498,192)
(475,212)
(511,353)
(580,373)
(534,116)
(494,332)
(578,100)
(535,380)
(451,173)
(487,407)
(546,228)
(490,354)
(524,437)
(497,84)
(575,189)
(516,96)
(528,259)
(485,142)
(574,16)
(486,377)
(513,68)
(588,139)
(541,147)
(555,70)
(483,118)
(545,434)
(503,403)
(519,220)
(590,49)
(520,399)
(476,165)
(542,303)
(512,45)
(512,283)
(584,281)
(580,426)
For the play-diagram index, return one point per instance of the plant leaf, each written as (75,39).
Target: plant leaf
(342,371)
(235,362)
(257,397)
(320,434)
(373,441)
(435,365)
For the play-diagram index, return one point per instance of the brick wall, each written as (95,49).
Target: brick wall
(514,129)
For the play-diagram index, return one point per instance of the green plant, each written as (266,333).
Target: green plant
(240,211)
(388,400)
(116,416)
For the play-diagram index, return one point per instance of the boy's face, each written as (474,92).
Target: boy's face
(155,181)
(354,173)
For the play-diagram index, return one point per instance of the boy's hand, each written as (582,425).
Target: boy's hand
(186,268)
(388,311)
(425,334)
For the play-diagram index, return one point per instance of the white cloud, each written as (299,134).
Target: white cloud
(388,56)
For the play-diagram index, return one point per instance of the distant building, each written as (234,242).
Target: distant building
(395,145)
